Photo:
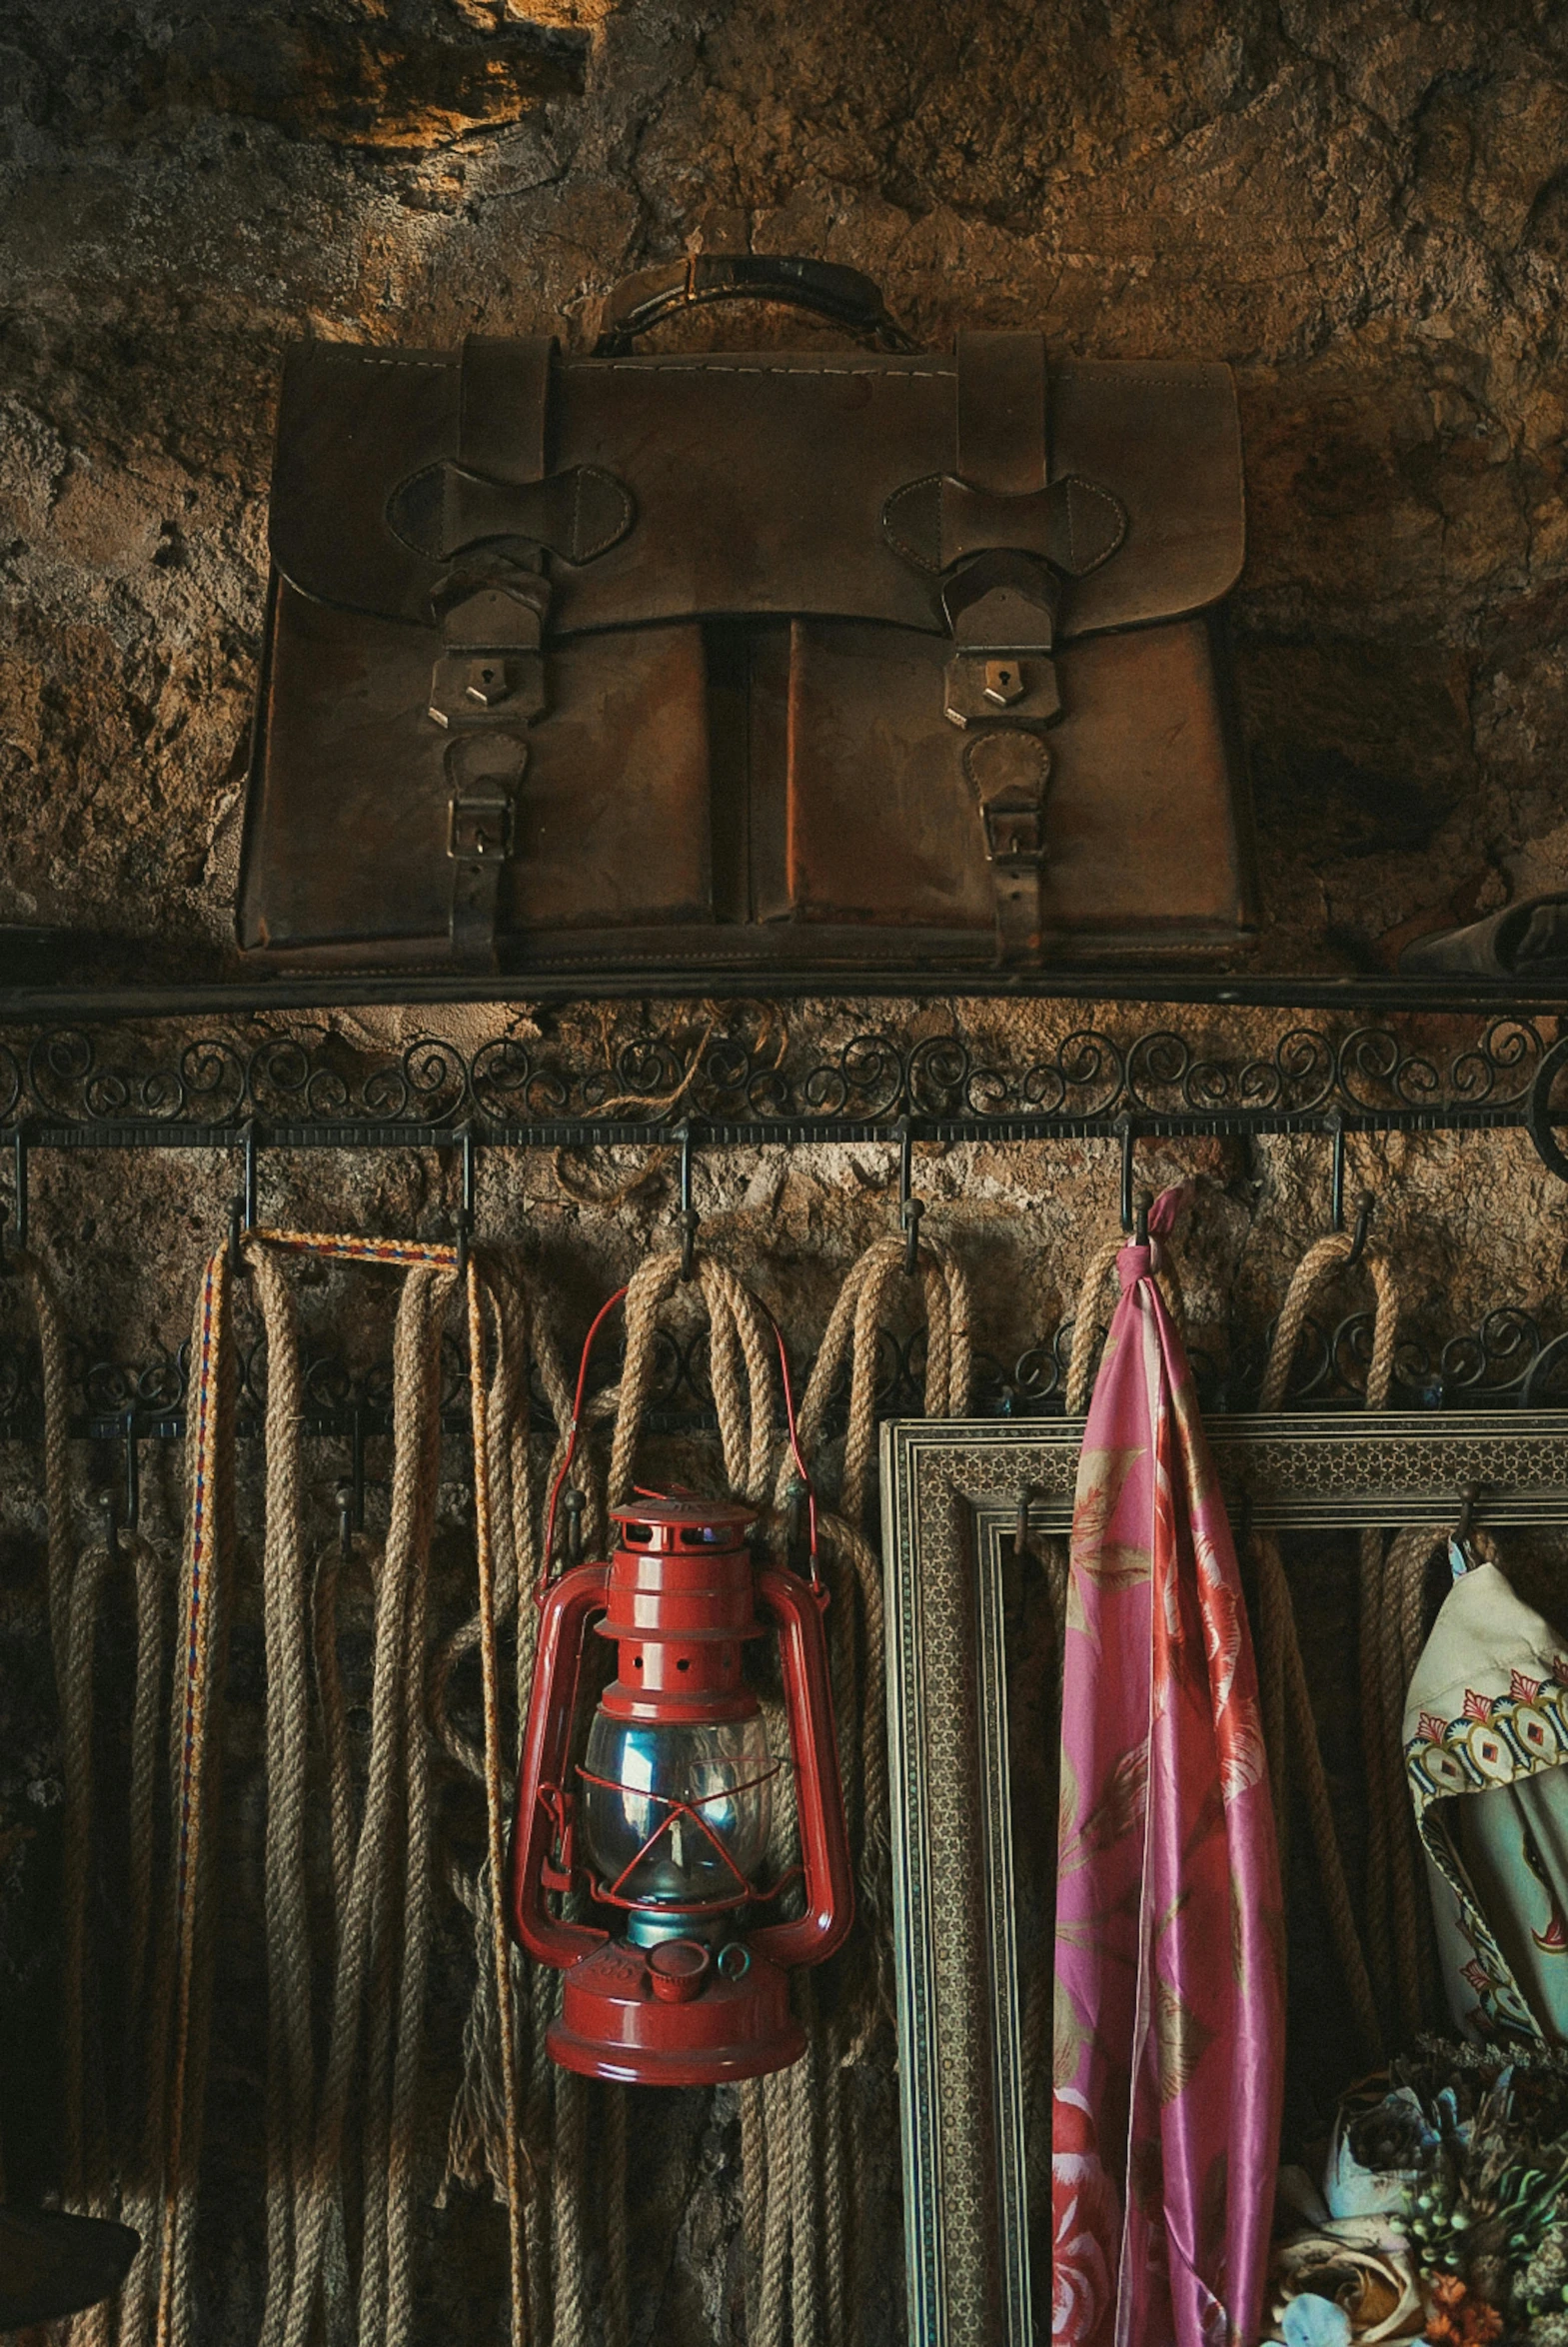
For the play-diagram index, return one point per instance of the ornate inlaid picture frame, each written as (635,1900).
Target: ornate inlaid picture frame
(958,1498)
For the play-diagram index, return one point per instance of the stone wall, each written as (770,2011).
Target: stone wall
(1363,206)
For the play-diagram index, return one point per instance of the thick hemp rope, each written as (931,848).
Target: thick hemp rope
(54,1376)
(376,1962)
(798,2135)
(98,2156)
(106,2165)
(1410,1555)
(100,2149)
(289,2059)
(742,1359)
(494,2132)
(378,1953)
(1289,1728)
(1087,1329)
(196,1720)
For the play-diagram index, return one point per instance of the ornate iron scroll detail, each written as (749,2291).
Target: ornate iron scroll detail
(747,1078)
(1508,1362)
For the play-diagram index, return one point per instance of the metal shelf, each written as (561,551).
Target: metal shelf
(241,997)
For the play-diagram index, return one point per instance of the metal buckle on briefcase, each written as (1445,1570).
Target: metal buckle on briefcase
(1012,835)
(479,830)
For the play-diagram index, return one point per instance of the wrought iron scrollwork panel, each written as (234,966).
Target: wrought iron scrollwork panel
(743,1076)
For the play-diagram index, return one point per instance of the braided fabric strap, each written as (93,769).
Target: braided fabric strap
(398,1253)
(208,1559)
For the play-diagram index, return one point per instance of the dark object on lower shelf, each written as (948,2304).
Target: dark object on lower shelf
(53,2265)
(35,957)
(1523,940)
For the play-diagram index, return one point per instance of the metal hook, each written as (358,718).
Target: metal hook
(133,1476)
(1125,1128)
(111,1525)
(689,1218)
(242,1211)
(19,1207)
(910,1208)
(572,1502)
(1364,1205)
(1468,1498)
(469,1187)
(351,1495)
(1334,1125)
(1141,1224)
(797,1524)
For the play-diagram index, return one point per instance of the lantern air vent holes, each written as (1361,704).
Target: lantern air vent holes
(683,1662)
(641,1533)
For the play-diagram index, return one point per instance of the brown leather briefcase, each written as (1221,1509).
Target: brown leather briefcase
(803,661)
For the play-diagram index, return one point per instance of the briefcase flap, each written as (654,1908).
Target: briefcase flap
(803,484)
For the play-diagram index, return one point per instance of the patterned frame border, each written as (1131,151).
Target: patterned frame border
(956,1494)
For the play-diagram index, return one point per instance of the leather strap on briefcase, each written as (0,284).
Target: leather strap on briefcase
(1005,538)
(498,513)
(487,686)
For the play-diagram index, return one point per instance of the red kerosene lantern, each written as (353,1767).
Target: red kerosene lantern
(671,1805)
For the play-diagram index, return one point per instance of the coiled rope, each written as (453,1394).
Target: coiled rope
(1289,1728)
(801,2129)
(1402,1635)
(382,1956)
(492,2134)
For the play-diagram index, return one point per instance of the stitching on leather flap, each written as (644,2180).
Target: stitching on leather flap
(1077,487)
(909,491)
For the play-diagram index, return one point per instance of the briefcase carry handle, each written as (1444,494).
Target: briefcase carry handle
(825,288)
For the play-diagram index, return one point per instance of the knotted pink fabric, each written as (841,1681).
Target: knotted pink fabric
(1169,2028)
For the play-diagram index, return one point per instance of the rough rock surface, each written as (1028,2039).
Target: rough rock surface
(1361,204)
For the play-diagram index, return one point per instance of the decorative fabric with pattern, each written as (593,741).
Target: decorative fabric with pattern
(1169,2028)
(1486,1739)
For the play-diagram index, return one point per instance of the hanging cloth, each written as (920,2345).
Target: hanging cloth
(1486,1737)
(1170,2032)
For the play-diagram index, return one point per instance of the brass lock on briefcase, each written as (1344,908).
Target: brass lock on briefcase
(805,661)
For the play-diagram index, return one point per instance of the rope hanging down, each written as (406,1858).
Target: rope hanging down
(1289,1728)
(799,2131)
(381,1873)
(101,2146)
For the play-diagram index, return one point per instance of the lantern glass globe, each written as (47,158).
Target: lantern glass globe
(644,1788)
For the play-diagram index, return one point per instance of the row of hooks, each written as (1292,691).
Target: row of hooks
(243,1210)
(124,1513)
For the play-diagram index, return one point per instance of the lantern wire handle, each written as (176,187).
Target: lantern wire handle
(801,1470)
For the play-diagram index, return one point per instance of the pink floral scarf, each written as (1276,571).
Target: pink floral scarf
(1169,2029)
